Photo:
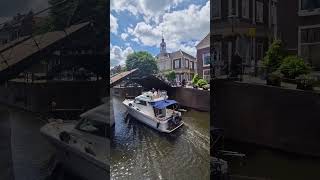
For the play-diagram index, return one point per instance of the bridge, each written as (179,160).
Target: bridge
(46,64)
(146,81)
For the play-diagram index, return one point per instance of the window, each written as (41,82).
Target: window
(206,59)
(309,45)
(140,102)
(259,51)
(310,35)
(192,65)
(187,63)
(93,127)
(206,75)
(259,10)
(177,64)
(273,14)
(216,12)
(309,4)
(233,8)
(245,8)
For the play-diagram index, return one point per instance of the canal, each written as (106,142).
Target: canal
(263,163)
(139,152)
(25,153)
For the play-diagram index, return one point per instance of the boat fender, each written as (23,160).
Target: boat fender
(130,104)
(65,136)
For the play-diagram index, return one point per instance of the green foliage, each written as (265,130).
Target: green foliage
(75,11)
(274,78)
(274,56)
(201,83)
(293,66)
(171,76)
(142,60)
(195,79)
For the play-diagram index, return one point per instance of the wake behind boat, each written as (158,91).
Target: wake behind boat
(156,110)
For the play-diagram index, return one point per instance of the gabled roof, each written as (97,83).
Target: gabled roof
(179,54)
(205,42)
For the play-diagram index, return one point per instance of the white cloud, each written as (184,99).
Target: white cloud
(118,55)
(113,24)
(149,9)
(124,36)
(180,28)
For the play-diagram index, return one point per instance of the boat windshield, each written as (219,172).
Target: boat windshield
(96,128)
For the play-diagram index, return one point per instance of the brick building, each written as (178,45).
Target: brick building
(299,29)
(203,58)
(243,26)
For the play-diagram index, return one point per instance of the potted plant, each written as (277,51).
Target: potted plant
(274,78)
(274,56)
(201,83)
(195,80)
(294,66)
(305,82)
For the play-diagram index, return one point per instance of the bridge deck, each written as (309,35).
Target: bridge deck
(13,54)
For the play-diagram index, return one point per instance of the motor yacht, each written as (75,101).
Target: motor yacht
(82,146)
(154,109)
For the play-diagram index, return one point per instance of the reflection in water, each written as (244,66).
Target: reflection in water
(139,152)
(266,163)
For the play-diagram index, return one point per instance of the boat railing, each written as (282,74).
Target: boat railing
(156,95)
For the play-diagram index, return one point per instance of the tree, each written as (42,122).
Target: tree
(142,60)
(274,56)
(171,76)
(63,14)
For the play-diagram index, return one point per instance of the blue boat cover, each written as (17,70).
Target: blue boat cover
(162,104)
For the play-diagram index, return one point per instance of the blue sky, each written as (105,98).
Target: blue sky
(138,25)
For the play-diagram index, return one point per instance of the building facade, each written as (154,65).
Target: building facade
(203,58)
(301,34)
(182,63)
(246,27)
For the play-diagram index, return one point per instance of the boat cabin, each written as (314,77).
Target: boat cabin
(155,104)
(94,122)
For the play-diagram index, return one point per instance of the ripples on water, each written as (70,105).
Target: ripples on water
(139,152)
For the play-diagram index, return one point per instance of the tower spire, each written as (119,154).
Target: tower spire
(163,45)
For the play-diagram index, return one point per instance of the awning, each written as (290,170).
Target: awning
(164,103)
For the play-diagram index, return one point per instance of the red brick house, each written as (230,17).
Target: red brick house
(203,58)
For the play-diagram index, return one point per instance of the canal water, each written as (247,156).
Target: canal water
(25,153)
(139,152)
(263,163)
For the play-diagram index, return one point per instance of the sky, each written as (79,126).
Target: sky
(138,25)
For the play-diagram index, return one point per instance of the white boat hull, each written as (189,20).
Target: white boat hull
(79,163)
(151,122)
